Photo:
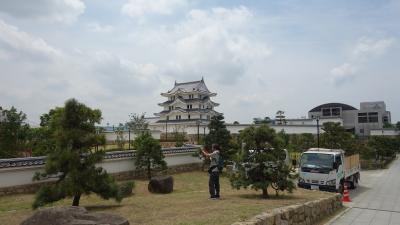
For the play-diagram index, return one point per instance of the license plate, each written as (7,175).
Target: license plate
(314,187)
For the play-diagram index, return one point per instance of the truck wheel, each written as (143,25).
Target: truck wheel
(341,187)
(352,184)
(355,181)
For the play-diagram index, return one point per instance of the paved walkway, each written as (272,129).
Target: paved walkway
(377,200)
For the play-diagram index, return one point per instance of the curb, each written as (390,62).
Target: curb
(338,216)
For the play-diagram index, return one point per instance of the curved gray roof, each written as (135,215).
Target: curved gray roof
(333,105)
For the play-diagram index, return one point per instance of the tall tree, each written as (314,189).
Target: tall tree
(336,137)
(41,139)
(384,146)
(120,141)
(13,133)
(280,117)
(138,123)
(218,134)
(266,120)
(73,162)
(148,153)
(260,163)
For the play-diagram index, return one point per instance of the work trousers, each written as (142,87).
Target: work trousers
(213,184)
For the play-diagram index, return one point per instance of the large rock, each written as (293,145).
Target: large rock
(72,215)
(161,184)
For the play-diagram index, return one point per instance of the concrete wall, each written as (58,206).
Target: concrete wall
(112,136)
(385,132)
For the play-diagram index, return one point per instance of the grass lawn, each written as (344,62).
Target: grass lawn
(188,204)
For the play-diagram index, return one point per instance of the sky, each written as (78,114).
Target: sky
(258,56)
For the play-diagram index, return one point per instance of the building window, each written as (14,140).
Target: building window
(208,117)
(362,118)
(326,112)
(361,131)
(372,117)
(167,117)
(189,116)
(335,111)
(189,106)
(201,116)
(200,96)
(385,119)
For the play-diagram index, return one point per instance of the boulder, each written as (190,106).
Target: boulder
(72,215)
(161,184)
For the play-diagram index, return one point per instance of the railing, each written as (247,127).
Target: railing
(41,160)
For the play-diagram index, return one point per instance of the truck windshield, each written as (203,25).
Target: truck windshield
(316,162)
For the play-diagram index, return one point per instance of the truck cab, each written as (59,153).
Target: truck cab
(325,169)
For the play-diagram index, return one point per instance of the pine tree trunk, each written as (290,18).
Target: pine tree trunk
(265,193)
(76,200)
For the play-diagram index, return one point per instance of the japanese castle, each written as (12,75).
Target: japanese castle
(188,107)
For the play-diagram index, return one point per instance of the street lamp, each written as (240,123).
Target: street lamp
(129,138)
(318,131)
(166,129)
(198,131)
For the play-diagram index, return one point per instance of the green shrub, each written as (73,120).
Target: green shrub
(125,189)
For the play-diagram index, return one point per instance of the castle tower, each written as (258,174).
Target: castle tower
(188,108)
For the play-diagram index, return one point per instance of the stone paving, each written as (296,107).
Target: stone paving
(376,201)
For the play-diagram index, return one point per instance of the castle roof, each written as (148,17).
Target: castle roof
(188,87)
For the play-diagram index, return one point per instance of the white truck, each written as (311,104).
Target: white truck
(328,170)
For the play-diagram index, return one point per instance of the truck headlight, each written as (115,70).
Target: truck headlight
(301,180)
(331,182)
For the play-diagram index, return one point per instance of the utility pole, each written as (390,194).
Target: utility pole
(129,138)
(318,131)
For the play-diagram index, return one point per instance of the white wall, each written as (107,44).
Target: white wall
(22,176)
(289,129)
(112,136)
(385,132)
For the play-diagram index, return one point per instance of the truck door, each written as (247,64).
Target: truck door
(339,171)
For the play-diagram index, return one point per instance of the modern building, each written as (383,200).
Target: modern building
(188,107)
(331,111)
(370,116)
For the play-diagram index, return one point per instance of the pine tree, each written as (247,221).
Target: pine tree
(148,153)
(260,163)
(218,134)
(73,162)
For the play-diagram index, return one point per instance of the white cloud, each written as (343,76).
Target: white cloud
(343,73)
(368,47)
(364,51)
(95,27)
(139,8)
(16,43)
(215,43)
(65,11)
